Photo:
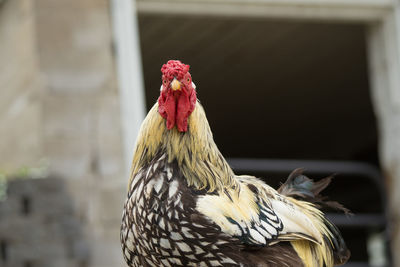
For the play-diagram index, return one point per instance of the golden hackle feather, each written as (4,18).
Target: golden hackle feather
(195,151)
(314,254)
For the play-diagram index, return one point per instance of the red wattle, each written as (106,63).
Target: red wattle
(176,107)
(167,108)
(183,108)
(170,110)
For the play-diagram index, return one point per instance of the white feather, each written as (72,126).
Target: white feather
(294,221)
(173,188)
(257,236)
(165,243)
(158,184)
(176,236)
(198,250)
(183,247)
(263,232)
(268,227)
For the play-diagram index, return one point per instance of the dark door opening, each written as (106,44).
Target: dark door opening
(277,90)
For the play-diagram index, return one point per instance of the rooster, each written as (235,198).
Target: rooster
(186,207)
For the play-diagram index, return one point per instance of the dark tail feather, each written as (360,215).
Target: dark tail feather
(301,187)
(340,251)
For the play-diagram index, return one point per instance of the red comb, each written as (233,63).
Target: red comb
(174,68)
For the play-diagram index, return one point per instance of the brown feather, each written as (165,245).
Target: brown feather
(279,255)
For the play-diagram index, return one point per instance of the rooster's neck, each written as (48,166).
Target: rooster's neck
(195,151)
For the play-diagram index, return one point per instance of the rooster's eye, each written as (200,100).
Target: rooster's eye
(165,81)
(188,80)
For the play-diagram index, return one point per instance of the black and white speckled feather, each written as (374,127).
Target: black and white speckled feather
(161,226)
(186,207)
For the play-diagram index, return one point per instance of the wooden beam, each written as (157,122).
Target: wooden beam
(130,74)
(337,10)
(384,63)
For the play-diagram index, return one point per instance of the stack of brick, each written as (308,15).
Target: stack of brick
(38,226)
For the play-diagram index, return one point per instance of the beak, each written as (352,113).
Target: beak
(175,85)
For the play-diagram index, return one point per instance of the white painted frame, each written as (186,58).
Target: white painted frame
(130,74)
(349,10)
(383,41)
(383,17)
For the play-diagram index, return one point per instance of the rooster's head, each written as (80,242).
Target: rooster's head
(178,95)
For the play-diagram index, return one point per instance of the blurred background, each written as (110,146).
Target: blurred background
(285,84)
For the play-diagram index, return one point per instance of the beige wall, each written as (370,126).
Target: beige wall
(82,135)
(59,101)
(20,90)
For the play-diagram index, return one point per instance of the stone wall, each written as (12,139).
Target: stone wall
(38,226)
(20,90)
(81,119)
(59,102)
